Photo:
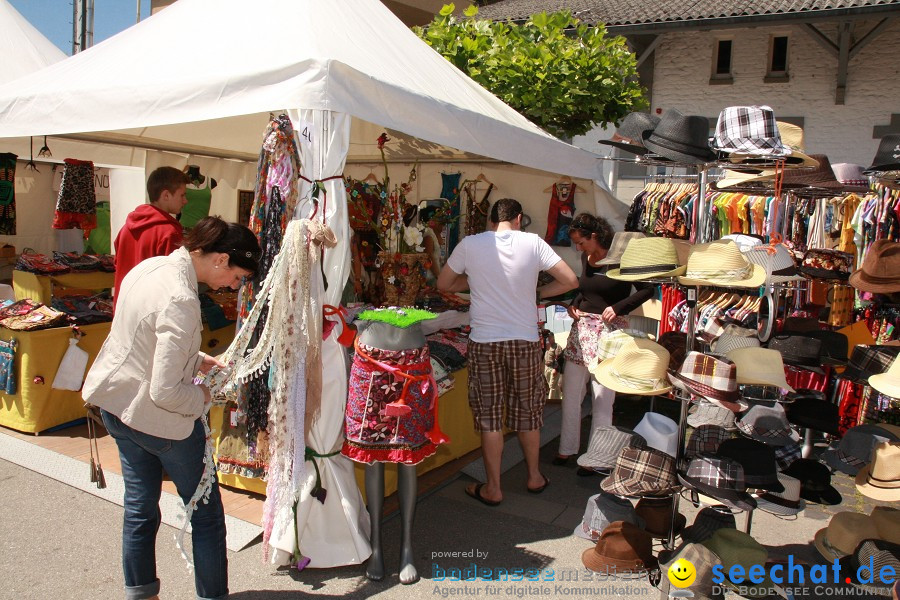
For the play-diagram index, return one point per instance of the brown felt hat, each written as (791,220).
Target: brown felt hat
(622,547)
(880,271)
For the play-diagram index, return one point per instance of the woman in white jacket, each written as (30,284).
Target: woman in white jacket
(142,381)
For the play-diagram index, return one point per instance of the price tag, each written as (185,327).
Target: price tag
(233,419)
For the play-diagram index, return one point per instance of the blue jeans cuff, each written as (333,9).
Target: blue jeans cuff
(216,598)
(141,592)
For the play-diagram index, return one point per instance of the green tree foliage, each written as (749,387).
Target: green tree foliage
(560,73)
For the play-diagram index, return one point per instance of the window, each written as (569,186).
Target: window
(721,71)
(778,59)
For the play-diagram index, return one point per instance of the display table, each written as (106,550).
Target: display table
(38,407)
(455,418)
(40,287)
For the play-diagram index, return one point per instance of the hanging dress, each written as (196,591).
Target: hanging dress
(76,205)
(560,214)
(450,192)
(476,212)
(7,193)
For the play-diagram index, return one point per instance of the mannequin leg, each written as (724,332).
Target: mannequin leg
(575,378)
(407,487)
(602,406)
(375,501)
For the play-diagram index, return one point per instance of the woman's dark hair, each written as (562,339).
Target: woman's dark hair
(586,224)
(212,234)
(505,209)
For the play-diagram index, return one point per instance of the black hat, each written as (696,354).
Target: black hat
(681,138)
(629,134)
(818,415)
(799,351)
(835,346)
(758,460)
(815,481)
(888,156)
(709,520)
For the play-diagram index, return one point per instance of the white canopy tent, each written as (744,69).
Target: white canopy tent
(169,84)
(24,48)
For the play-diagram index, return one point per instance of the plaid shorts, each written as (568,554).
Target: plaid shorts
(508,375)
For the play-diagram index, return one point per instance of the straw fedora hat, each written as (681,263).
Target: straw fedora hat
(843,534)
(887,520)
(721,263)
(646,258)
(880,479)
(792,137)
(888,383)
(617,246)
(759,366)
(880,270)
(638,368)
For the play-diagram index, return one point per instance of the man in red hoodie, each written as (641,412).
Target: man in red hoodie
(150,229)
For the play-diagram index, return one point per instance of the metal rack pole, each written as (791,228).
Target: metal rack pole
(701,218)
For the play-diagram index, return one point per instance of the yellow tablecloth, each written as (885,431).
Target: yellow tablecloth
(38,407)
(40,287)
(455,418)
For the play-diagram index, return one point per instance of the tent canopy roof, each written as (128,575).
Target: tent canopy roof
(24,48)
(169,79)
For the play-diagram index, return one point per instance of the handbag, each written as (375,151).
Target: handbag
(7,366)
(40,264)
(827,264)
(70,374)
(40,318)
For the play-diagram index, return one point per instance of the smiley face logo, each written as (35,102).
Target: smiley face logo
(682,573)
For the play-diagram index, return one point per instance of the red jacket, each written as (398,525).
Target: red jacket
(148,232)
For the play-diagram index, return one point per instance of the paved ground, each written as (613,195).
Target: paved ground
(61,543)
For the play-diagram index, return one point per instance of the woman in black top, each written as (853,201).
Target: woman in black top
(598,308)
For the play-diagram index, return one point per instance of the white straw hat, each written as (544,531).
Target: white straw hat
(638,368)
(646,258)
(721,263)
(888,383)
(760,366)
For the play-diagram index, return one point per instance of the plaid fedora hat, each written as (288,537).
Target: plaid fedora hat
(641,472)
(887,521)
(710,377)
(647,258)
(638,368)
(758,460)
(786,455)
(856,448)
(606,443)
(815,414)
(880,479)
(767,424)
(703,561)
(877,553)
(617,246)
(622,547)
(706,438)
(866,361)
(657,516)
(799,351)
(777,262)
(784,503)
(880,270)
(719,477)
(759,366)
(888,383)
(887,158)
(750,130)
(721,263)
(680,138)
(603,509)
(709,520)
(629,135)
(843,534)
(707,413)
(815,481)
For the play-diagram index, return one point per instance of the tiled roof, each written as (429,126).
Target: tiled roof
(631,13)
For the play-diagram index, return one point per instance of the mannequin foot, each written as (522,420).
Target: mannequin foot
(408,573)
(375,566)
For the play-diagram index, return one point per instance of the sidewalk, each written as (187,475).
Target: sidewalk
(60,542)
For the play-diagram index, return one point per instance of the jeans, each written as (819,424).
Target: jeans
(144,457)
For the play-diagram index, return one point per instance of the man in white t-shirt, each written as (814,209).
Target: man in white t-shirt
(506,370)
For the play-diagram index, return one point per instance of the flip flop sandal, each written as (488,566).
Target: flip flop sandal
(476,493)
(540,489)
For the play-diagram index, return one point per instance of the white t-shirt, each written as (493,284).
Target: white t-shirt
(503,269)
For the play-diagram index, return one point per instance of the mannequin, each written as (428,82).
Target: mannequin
(199,197)
(390,426)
